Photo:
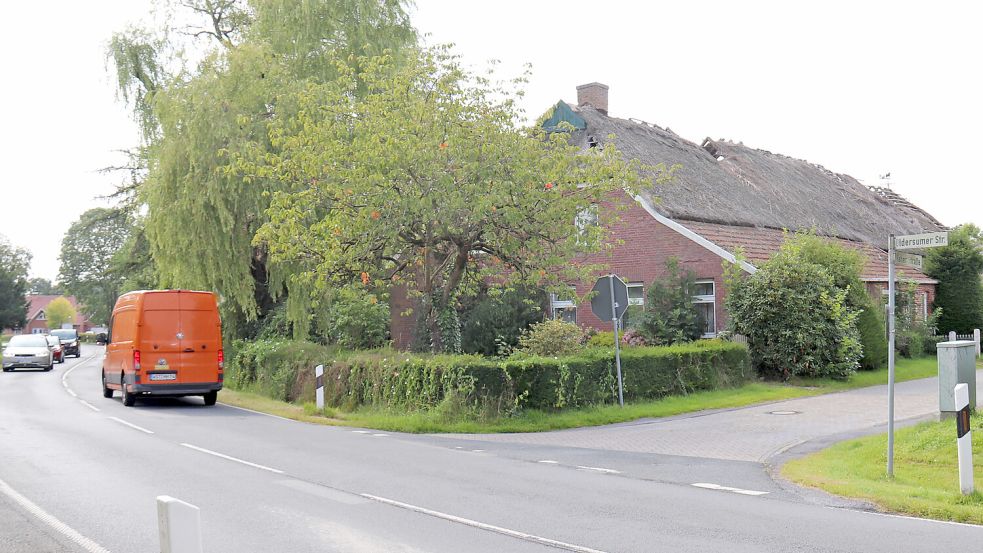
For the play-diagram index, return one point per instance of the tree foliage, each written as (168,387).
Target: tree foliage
(428,180)
(201,221)
(87,253)
(957,267)
(494,320)
(40,285)
(14,264)
(670,315)
(59,312)
(797,320)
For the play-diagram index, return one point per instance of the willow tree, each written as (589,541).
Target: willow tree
(201,221)
(429,180)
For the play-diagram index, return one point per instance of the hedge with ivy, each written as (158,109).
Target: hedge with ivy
(390,379)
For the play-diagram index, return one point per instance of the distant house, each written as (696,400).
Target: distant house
(37,319)
(726,196)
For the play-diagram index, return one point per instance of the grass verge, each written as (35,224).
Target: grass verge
(926,477)
(538,421)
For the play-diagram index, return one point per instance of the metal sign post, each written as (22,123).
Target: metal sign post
(609,304)
(909,242)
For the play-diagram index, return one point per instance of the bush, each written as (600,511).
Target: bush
(670,315)
(796,320)
(552,337)
(493,323)
(478,385)
(957,267)
(355,319)
(602,339)
(280,369)
(871,325)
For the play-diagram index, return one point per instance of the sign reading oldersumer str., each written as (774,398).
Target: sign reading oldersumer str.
(926,240)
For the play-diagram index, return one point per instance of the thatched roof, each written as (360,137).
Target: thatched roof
(729,183)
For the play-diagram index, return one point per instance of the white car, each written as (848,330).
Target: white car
(26,351)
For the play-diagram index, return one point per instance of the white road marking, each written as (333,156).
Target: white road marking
(45,517)
(549,462)
(477,451)
(257,412)
(230,458)
(361,432)
(89,405)
(381,435)
(72,392)
(707,486)
(483,526)
(131,425)
(950,522)
(600,469)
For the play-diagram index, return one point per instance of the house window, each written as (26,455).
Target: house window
(41,316)
(38,330)
(924,306)
(587,218)
(564,306)
(706,304)
(636,303)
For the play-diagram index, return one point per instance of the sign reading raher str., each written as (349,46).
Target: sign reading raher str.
(917,241)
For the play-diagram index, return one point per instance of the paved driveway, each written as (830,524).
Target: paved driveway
(750,433)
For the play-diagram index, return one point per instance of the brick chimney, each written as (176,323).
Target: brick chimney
(595,94)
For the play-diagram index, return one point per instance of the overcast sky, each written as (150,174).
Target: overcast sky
(862,88)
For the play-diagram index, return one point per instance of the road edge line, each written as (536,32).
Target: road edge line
(89,545)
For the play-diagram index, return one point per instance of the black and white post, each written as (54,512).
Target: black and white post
(964,439)
(319,386)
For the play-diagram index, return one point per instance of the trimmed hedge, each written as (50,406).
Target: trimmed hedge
(391,379)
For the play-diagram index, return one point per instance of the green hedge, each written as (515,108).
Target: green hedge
(391,379)
(424,382)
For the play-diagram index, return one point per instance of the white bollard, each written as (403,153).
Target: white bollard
(179,526)
(319,386)
(976,338)
(952,335)
(964,439)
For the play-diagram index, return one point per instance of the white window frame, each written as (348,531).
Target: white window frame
(558,304)
(42,316)
(639,300)
(708,299)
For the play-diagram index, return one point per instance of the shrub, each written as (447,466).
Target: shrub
(796,320)
(280,369)
(355,319)
(493,323)
(871,325)
(957,267)
(670,315)
(632,337)
(552,337)
(478,385)
(602,339)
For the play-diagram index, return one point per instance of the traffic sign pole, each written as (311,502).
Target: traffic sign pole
(890,356)
(617,342)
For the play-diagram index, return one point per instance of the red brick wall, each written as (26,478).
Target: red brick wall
(645,246)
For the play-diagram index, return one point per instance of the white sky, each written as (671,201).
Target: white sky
(861,88)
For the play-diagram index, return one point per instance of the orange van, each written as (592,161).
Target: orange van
(164,343)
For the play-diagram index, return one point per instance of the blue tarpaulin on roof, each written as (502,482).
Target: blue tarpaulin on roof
(563,113)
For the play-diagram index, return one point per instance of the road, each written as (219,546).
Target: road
(90,467)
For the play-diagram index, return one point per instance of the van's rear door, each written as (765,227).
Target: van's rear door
(160,338)
(201,338)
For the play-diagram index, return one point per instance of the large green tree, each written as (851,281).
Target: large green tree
(429,179)
(14,263)
(254,57)
(40,285)
(87,251)
(957,267)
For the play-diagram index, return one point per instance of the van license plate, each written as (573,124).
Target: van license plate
(166,376)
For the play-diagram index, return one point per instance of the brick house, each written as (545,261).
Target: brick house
(723,196)
(37,321)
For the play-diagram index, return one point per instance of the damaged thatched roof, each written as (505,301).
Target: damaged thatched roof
(729,183)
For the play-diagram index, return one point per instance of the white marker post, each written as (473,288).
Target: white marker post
(319,386)
(976,338)
(179,526)
(964,439)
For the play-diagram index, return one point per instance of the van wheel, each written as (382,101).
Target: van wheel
(210,398)
(128,398)
(106,392)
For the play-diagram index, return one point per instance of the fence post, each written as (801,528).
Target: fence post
(976,338)
(952,335)
(178,525)
(319,386)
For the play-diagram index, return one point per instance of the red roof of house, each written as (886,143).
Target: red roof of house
(39,302)
(759,244)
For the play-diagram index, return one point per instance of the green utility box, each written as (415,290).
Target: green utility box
(957,365)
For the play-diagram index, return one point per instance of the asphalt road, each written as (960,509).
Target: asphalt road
(90,467)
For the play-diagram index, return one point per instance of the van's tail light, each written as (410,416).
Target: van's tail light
(136,360)
(221,359)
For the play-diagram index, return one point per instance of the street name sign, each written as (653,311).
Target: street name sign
(910,259)
(918,241)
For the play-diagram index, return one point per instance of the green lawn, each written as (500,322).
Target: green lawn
(537,421)
(926,480)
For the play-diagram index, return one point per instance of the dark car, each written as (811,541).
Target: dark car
(69,341)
